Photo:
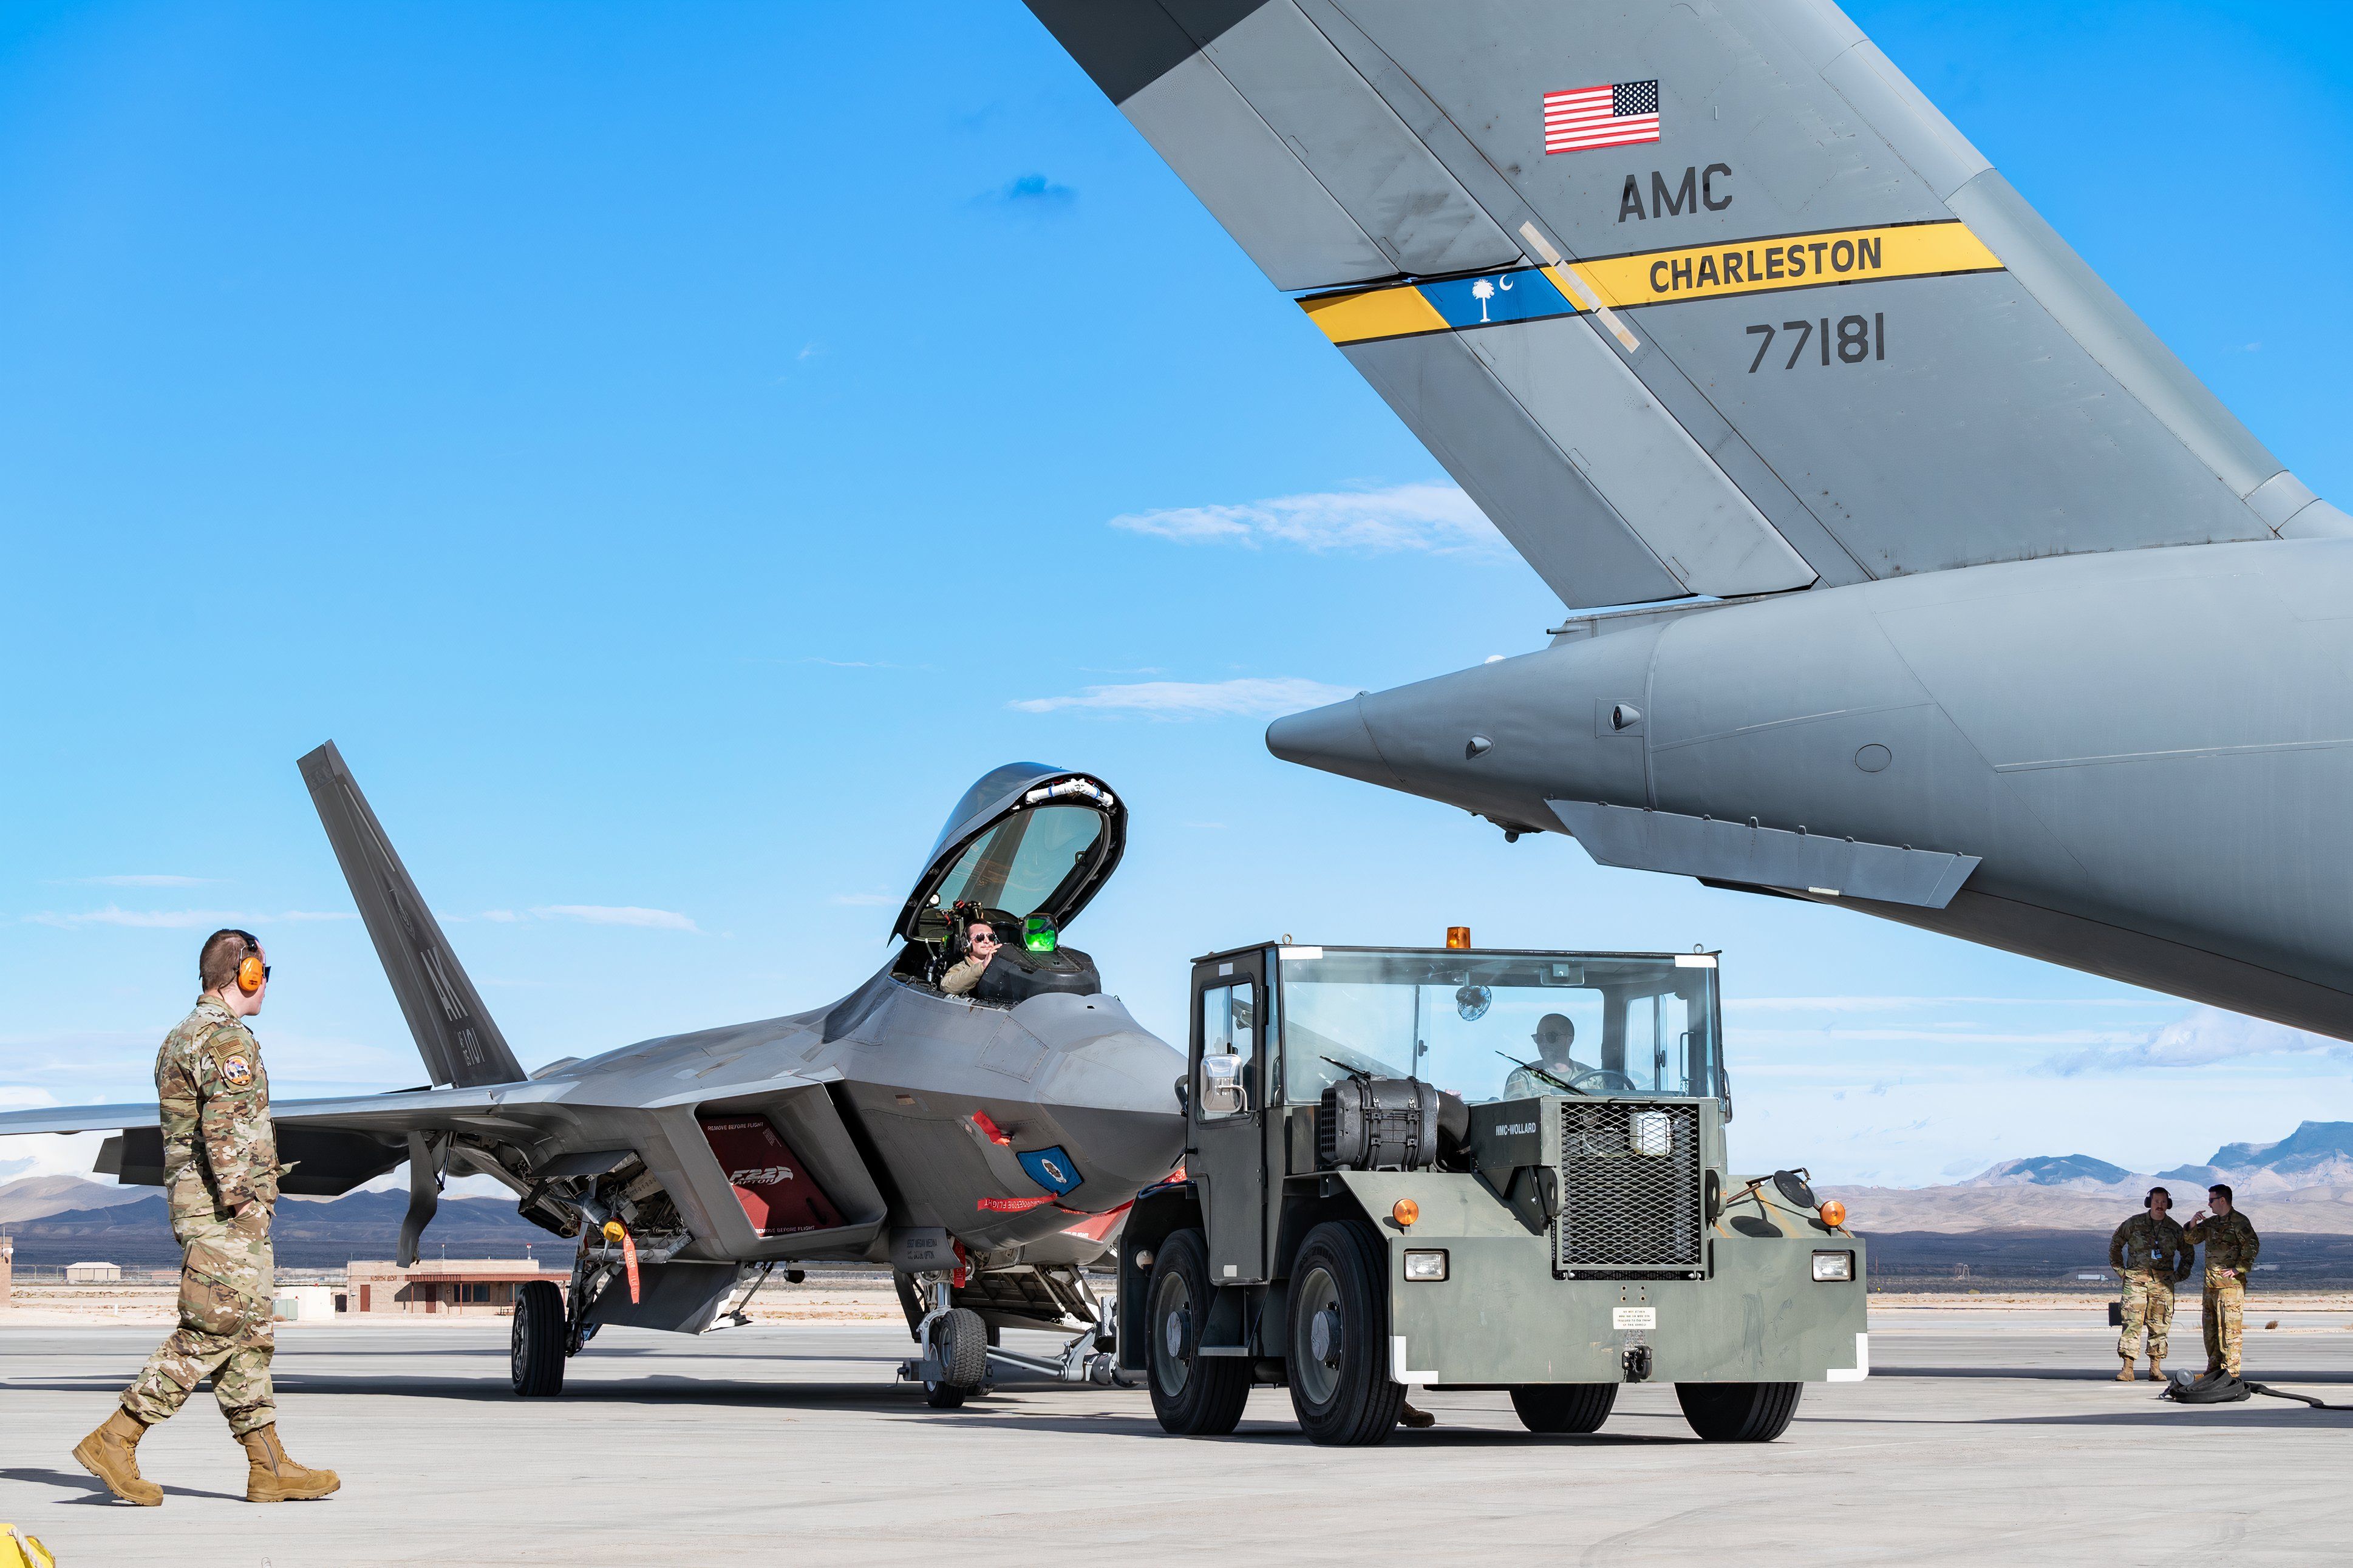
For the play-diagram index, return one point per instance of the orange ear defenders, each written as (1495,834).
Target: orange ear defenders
(250,971)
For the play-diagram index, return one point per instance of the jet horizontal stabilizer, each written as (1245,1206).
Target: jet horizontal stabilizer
(1717,851)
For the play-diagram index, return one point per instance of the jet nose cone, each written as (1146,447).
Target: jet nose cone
(1335,739)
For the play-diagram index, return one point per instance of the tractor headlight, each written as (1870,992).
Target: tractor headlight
(1425,1265)
(1829,1266)
(1648,1132)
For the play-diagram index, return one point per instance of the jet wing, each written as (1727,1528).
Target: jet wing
(333,1145)
(420,1111)
(78,1119)
(1692,299)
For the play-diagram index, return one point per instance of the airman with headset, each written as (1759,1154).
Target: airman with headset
(220,1177)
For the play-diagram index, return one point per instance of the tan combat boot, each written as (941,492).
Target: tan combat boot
(111,1454)
(2155,1369)
(271,1477)
(2127,1374)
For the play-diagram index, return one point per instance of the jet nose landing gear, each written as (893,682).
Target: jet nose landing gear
(954,1362)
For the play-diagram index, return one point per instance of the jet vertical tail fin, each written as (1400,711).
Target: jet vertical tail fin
(455,1034)
(1691,298)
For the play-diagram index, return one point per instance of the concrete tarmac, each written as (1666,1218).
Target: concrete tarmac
(1981,1436)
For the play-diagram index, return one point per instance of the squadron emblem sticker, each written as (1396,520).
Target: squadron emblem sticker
(1618,114)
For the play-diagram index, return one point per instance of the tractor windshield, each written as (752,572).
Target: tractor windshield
(1497,1026)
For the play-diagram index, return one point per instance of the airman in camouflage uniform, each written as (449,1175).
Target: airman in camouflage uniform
(220,1177)
(2149,1252)
(2230,1246)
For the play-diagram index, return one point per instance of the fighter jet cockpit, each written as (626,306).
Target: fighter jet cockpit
(1488,1026)
(1022,853)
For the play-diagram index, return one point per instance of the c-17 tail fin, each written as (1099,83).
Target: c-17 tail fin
(455,1034)
(1692,298)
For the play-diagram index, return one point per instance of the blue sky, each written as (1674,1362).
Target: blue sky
(674,449)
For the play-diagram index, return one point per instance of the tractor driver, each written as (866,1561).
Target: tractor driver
(980,944)
(1554,1037)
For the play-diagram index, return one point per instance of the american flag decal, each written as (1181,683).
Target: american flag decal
(1618,115)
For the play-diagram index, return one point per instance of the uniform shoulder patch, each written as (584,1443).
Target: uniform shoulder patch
(236,1071)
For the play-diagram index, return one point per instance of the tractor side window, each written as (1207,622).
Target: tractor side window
(1227,1083)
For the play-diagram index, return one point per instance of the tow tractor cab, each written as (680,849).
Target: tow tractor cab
(1476,1170)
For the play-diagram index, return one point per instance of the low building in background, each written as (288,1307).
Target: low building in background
(93,1273)
(305,1303)
(481,1286)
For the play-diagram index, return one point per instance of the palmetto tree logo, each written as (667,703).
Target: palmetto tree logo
(1485,290)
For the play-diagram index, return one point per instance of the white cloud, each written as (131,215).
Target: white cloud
(1250,696)
(153,920)
(615,915)
(1439,519)
(2205,1036)
(1888,1004)
(61,1154)
(179,920)
(1955,1036)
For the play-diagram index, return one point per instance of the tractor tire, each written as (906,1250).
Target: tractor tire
(962,1341)
(536,1343)
(1194,1395)
(1558,1407)
(1739,1412)
(1337,1343)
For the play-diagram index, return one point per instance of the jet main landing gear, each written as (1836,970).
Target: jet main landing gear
(540,1342)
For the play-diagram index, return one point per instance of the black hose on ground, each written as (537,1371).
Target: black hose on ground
(2224,1389)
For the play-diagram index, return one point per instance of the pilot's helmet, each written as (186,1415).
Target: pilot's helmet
(1555,1033)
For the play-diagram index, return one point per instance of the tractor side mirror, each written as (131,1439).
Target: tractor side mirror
(1222,1094)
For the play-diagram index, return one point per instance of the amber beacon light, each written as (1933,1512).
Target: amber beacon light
(1458,936)
(1834,1213)
(1405,1211)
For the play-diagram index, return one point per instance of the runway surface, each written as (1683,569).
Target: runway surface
(1981,1436)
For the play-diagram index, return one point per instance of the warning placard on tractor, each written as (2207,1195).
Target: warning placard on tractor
(779,1196)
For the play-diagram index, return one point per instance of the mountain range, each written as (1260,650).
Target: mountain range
(2316,1154)
(2299,1184)
(2302,1184)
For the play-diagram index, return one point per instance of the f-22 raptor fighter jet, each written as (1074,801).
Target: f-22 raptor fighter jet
(982,1144)
(1943,590)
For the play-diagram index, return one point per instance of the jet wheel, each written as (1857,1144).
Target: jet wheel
(537,1341)
(1337,1342)
(1194,1395)
(1739,1412)
(960,1342)
(1552,1407)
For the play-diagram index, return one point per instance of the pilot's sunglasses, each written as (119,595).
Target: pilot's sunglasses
(984,940)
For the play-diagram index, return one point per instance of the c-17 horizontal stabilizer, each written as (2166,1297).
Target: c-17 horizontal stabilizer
(1690,298)
(455,1034)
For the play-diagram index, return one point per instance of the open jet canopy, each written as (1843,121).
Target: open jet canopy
(1026,839)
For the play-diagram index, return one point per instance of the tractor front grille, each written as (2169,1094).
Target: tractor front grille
(1629,1188)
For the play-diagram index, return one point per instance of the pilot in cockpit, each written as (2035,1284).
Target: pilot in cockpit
(980,945)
